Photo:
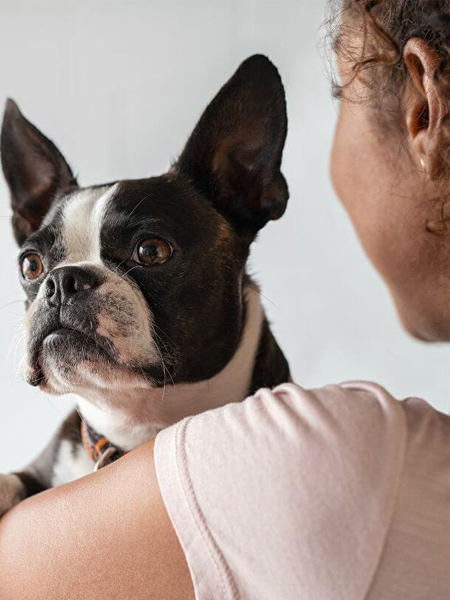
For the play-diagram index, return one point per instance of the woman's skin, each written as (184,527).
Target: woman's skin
(107,535)
(73,542)
(388,172)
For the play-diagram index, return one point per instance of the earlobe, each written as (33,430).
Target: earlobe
(428,107)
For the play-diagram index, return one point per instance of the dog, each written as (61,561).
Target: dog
(137,292)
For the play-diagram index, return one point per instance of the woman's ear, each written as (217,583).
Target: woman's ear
(429,108)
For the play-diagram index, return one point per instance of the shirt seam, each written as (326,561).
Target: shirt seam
(395,499)
(229,589)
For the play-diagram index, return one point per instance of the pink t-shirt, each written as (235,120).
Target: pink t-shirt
(336,493)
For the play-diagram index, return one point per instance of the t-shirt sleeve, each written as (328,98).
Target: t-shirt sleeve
(289,494)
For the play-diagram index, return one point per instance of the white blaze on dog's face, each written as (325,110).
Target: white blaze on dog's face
(140,283)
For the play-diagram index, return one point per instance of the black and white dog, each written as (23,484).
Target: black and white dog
(138,299)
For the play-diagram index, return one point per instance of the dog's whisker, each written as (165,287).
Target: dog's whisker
(165,369)
(129,271)
(163,333)
(165,372)
(15,344)
(262,295)
(123,275)
(3,306)
(139,204)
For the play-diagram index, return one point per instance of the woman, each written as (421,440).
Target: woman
(335,493)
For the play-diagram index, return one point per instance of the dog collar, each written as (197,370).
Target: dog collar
(99,448)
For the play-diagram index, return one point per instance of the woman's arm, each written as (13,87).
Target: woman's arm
(107,535)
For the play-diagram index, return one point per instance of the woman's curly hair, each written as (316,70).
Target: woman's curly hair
(387,25)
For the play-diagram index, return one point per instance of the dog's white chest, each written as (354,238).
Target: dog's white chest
(71,463)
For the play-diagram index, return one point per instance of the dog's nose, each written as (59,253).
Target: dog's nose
(65,283)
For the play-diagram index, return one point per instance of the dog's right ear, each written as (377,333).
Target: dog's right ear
(35,170)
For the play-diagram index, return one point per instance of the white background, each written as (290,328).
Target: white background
(119,86)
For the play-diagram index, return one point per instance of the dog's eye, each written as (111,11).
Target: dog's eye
(32,266)
(153,251)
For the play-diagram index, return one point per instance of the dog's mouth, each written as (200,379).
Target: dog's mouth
(75,339)
(63,348)
(71,346)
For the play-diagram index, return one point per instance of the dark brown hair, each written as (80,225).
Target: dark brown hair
(386,26)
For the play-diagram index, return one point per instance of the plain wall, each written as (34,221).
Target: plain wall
(119,86)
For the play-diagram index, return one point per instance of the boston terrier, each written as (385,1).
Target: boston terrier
(138,297)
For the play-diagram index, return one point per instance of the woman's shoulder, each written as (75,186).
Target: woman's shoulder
(351,415)
(330,470)
(354,419)
(359,400)
(359,420)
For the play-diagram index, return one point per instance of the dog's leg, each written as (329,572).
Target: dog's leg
(63,460)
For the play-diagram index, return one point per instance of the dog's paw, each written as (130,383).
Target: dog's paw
(11,492)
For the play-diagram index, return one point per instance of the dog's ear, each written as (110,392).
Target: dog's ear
(35,170)
(234,154)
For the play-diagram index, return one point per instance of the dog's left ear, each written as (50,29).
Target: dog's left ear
(234,154)
(35,170)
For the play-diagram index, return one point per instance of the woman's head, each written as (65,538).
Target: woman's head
(391,158)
